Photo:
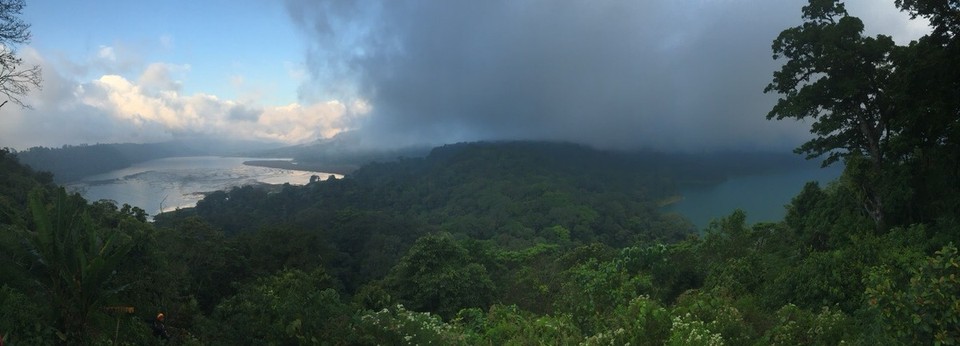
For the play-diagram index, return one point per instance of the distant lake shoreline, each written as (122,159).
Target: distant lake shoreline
(179,182)
(300,166)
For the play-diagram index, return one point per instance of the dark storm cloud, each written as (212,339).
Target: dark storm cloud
(664,74)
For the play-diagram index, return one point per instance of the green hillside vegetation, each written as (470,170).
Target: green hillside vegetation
(478,243)
(520,243)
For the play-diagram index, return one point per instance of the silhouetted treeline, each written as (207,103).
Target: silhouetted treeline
(70,163)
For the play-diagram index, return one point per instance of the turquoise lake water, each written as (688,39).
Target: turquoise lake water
(762,196)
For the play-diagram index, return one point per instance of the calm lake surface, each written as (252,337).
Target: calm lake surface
(178,182)
(762,197)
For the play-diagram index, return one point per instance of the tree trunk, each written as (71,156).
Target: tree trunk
(873,186)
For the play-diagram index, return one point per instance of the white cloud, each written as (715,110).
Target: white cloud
(202,113)
(113,108)
(162,77)
(297,123)
(60,117)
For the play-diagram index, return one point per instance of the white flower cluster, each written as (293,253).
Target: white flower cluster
(612,337)
(688,331)
(402,326)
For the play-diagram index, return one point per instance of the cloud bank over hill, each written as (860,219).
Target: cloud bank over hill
(663,73)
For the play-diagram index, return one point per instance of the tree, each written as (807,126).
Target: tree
(208,260)
(291,307)
(944,15)
(925,310)
(928,79)
(438,276)
(15,80)
(839,78)
(75,260)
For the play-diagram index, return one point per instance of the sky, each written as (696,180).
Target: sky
(662,74)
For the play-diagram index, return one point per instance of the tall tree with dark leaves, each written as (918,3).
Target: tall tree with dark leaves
(928,80)
(839,78)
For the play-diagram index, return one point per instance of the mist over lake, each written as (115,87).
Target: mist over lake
(179,182)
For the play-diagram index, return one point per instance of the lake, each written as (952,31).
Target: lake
(179,182)
(762,196)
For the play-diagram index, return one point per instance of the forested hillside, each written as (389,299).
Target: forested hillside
(477,243)
(510,195)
